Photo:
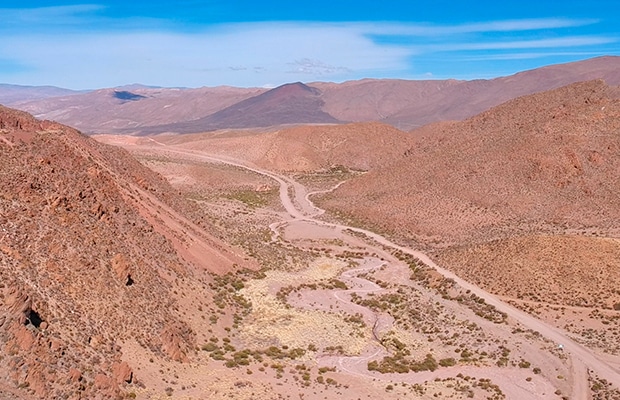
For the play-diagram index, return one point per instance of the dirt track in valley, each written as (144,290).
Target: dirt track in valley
(296,201)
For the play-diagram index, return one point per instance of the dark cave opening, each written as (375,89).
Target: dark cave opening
(33,317)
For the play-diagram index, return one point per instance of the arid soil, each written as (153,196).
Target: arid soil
(521,200)
(543,240)
(304,149)
(570,281)
(396,313)
(382,265)
(541,163)
(95,251)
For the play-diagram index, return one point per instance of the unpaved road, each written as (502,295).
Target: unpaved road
(295,199)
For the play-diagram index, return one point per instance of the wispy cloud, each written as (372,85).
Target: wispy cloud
(527,55)
(254,54)
(314,67)
(217,56)
(74,18)
(429,30)
(58,15)
(523,25)
(571,41)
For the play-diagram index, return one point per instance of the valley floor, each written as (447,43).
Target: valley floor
(340,311)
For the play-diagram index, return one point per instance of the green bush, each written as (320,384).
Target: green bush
(447,362)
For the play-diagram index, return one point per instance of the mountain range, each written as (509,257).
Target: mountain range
(401,103)
(172,266)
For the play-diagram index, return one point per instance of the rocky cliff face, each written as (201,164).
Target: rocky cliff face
(81,269)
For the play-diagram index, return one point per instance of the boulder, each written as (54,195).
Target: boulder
(122,269)
(75,375)
(122,373)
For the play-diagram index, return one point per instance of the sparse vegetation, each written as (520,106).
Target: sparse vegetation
(307,305)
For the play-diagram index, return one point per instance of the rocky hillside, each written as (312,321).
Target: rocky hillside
(90,261)
(360,146)
(468,98)
(543,162)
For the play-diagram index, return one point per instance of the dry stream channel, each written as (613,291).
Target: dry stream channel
(303,216)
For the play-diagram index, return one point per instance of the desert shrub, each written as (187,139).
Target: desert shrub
(447,362)
(466,354)
(209,347)
(296,353)
(401,365)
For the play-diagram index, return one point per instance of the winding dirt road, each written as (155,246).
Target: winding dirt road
(297,203)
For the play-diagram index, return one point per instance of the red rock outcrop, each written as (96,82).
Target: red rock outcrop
(122,373)
(81,269)
(122,269)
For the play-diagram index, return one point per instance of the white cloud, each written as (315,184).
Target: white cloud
(571,41)
(57,15)
(218,56)
(314,67)
(529,55)
(418,29)
(250,54)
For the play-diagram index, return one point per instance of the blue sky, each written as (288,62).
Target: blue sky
(191,43)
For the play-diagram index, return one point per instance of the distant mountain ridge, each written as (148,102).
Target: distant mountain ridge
(405,104)
(10,94)
(293,103)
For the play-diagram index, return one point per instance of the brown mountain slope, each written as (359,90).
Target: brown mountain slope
(401,103)
(19,93)
(293,103)
(568,270)
(549,159)
(360,146)
(90,261)
(103,110)
(376,100)
(468,98)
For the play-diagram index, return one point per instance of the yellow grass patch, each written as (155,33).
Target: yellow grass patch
(273,323)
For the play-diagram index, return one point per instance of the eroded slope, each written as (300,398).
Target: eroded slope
(90,259)
(543,162)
